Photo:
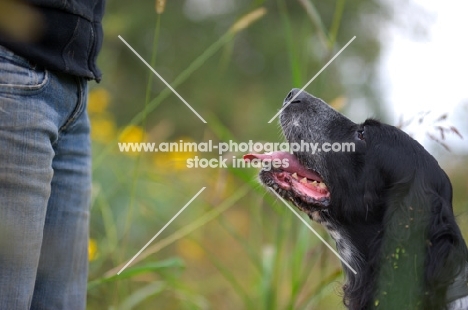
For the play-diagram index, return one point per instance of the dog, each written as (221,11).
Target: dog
(387,204)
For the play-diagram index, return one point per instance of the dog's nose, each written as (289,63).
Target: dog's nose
(295,96)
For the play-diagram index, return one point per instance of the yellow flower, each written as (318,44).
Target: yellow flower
(102,128)
(172,161)
(92,250)
(132,133)
(98,100)
(190,249)
(175,159)
(178,160)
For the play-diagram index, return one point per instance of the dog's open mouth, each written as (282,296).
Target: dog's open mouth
(298,182)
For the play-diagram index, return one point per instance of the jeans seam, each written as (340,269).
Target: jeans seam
(79,108)
(33,87)
(32,68)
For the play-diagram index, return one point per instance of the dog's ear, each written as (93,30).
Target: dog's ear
(446,250)
(400,274)
(374,197)
(422,249)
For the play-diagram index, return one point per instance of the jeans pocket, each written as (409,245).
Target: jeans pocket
(17,73)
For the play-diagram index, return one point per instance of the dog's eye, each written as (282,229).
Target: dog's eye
(360,134)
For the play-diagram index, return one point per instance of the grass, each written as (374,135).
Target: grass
(236,247)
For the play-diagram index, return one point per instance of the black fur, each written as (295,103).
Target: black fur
(390,203)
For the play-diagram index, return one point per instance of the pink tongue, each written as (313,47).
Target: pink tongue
(294,165)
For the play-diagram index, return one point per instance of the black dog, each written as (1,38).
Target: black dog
(387,204)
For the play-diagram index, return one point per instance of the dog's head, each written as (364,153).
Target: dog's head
(379,191)
(343,167)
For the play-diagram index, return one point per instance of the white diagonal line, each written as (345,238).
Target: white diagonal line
(159,232)
(310,227)
(163,80)
(315,76)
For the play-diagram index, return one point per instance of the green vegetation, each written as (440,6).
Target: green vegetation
(236,246)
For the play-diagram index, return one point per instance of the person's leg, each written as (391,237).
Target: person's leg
(38,109)
(62,273)
(25,176)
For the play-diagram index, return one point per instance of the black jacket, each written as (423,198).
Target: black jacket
(70,40)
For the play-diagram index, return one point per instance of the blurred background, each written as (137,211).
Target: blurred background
(235,246)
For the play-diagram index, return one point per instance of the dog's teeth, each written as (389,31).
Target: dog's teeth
(294,175)
(322,185)
(304,180)
(314,183)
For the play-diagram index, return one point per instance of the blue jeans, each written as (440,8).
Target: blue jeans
(45,185)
